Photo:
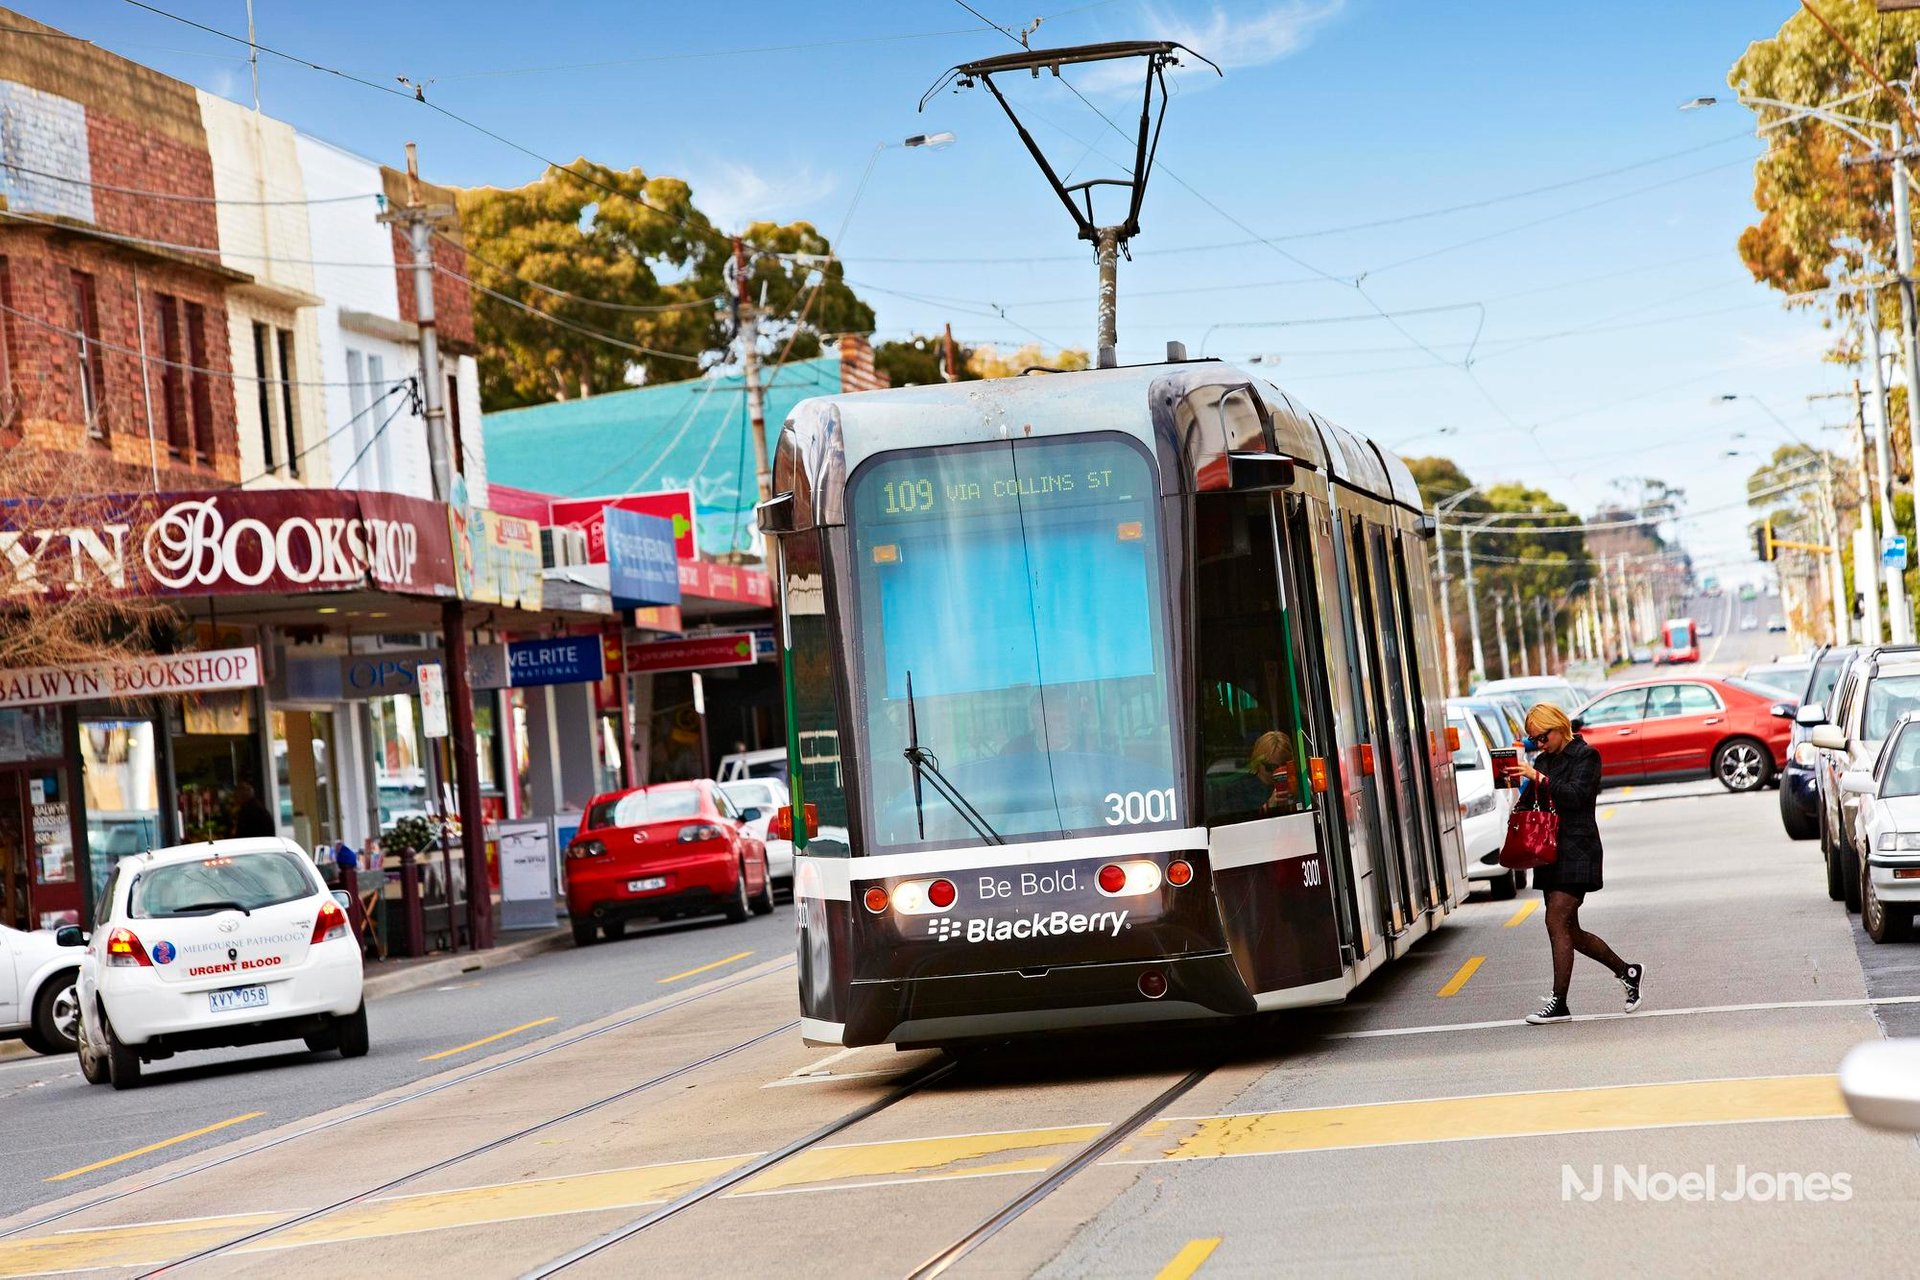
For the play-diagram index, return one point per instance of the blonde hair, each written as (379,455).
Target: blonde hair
(1544,717)
(1272,748)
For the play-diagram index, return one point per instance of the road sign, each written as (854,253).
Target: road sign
(1893,551)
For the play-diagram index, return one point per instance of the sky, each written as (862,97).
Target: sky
(1551,239)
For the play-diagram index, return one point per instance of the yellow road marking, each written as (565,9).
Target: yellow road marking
(1188,1260)
(1607,812)
(706,967)
(941,1159)
(155,1146)
(1459,979)
(498,1035)
(1516,1115)
(1626,791)
(1523,913)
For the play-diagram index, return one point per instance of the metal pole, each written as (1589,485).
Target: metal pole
(434,392)
(1473,604)
(1620,581)
(1451,641)
(1520,631)
(453,633)
(1836,568)
(1108,247)
(1500,633)
(1899,617)
(750,368)
(1903,229)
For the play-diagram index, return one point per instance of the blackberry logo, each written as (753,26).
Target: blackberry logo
(945,930)
(1040,924)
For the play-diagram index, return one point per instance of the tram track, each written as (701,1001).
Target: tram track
(415,1095)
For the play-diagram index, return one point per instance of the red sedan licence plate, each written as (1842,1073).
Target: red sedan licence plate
(650,883)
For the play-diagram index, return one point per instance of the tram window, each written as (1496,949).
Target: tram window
(816,717)
(1249,723)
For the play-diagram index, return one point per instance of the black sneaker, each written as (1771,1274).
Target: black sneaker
(1554,1010)
(1631,981)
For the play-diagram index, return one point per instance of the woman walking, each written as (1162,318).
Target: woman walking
(1567,775)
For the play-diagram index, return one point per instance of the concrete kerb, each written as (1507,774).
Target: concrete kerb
(428,972)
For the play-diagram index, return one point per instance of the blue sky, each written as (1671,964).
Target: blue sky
(1332,113)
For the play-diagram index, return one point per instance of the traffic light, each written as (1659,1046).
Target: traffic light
(1763,548)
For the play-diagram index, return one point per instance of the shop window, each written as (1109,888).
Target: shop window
(1250,740)
(200,381)
(173,377)
(120,778)
(305,765)
(284,340)
(216,753)
(399,762)
(263,391)
(89,355)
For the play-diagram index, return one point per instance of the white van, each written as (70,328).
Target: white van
(741,765)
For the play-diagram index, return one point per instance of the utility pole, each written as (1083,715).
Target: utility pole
(1448,639)
(1546,627)
(1620,581)
(1520,631)
(1500,630)
(1473,604)
(951,371)
(1899,616)
(749,330)
(419,218)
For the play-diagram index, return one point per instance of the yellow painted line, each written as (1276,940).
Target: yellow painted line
(155,1146)
(1459,979)
(1607,812)
(1523,913)
(944,1159)
(706,968)
(1626,791)
(1515,1115)
(1189,1259)
(498,1035)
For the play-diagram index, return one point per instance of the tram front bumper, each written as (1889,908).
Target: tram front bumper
(1015,1002)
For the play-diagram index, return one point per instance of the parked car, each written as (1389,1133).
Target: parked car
(39,975)
(1776,625)
(1788,677)
(768,763)
(1483,806)
(660,852)
(1889,833)
(1878,687)
(758,799)
(1799,792)
(1641,654)
(1706,629)
(1694,726)
(1528,690)
(202,946)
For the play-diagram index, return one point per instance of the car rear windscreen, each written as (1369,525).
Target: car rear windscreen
(241,881)
(640,807)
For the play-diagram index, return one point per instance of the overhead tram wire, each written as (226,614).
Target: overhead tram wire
(77,335)
(408,383)
(197,250)
(635,308)
(371,441)
(581,329)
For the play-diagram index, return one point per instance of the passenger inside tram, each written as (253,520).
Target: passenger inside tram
(1267,788)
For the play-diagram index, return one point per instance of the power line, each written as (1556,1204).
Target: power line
(173,196)
(632,308)
(371,441)
(580,329)
(406,383)
(748,51)
(79,336)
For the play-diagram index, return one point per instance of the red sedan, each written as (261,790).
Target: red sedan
(1699,726)
(654,853)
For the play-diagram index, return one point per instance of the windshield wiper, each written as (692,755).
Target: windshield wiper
(213,905)
(924,762)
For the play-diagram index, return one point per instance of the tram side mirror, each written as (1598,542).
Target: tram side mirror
(1253,472)
(1881,1083)
(69,935)
(781,828)
(776,514)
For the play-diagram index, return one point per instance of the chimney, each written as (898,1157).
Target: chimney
(856,365)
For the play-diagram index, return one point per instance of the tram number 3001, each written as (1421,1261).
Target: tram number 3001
(1135,807)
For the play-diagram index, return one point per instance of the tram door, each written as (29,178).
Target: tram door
(1370,706)
(1412,752)
(1392,751)
(1416,612)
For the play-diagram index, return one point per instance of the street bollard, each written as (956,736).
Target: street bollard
(410,899)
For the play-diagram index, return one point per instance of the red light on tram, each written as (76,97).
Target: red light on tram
(1153,984)
(876,899)
(1366,759)
(1179,873)
(1113,878)
(941,893)
(1317,774)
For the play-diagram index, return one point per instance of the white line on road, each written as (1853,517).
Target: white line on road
(1606,1017)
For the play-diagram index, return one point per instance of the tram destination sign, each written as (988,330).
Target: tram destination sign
(149,677)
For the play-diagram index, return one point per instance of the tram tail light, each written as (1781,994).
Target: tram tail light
(1366,759)
(1153,984)
(920,897)
(1179,872)
(1453,739)
(125,952)
(1129,879)
(1317,774)
(941,893)
(887,553)
(876,899)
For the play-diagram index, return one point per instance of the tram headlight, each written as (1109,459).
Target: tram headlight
(921,897)
(1128,879)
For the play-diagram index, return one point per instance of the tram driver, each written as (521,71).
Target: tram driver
(1050,720)
(1269,787)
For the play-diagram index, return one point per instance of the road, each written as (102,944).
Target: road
(1420,1128)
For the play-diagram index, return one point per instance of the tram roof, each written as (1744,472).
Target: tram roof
(826,438)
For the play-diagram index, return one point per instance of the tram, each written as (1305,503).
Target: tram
(1112,697)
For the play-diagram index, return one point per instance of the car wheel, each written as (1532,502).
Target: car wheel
(1836,882)
(1519,880)
(322,1041)
(123,1064)
(1849,878)
(56,1013)
(1882,923)
(1742,765)
(763,905)
(92,1066)
(1799,825)
(351,1032)
(584,934)
(614,929)
(740,908)
(1503,886)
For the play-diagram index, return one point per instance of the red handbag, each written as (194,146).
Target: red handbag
(1533,834)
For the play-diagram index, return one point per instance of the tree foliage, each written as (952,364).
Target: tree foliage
(647,281)
(918,361)
(988,362)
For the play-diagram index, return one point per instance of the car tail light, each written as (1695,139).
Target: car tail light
(1129,879)
(331,924)
(125,952)
(695,832)
(586,849)
(1179,872)
(876,899)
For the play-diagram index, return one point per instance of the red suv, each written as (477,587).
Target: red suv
(1689,727)
(654,853)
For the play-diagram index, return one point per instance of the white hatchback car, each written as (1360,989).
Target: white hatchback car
(38,972)
(1889,830)
(763,797)
(232,942)
(1484,808)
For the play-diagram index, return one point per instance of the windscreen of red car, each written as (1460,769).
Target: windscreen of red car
(637,808)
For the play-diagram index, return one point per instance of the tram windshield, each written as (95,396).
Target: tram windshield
(1017,586)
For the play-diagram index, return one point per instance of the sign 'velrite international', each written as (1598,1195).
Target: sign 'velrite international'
(132,678)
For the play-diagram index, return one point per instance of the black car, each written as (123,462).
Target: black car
(1799,799)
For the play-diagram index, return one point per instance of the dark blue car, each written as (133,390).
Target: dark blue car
(1799,798)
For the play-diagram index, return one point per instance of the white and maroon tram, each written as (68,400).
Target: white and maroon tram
(1115,696)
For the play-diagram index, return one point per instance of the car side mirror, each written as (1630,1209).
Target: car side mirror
(1828,737)
(69,935)
(752,813)
(344,898)
(1858,781)
(1881,1083)
(1809,716)
(1781,710)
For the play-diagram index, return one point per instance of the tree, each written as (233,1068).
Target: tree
(987,362)
(918,361)
(1821,222)
(639,285)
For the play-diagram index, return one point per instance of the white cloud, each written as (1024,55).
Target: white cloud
(733,194)
(1232,40)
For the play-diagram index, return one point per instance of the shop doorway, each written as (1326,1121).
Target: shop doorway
(38,872)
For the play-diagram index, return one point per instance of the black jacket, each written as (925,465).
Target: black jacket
(1573,784)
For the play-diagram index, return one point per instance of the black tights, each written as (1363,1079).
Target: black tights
(1563,929)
